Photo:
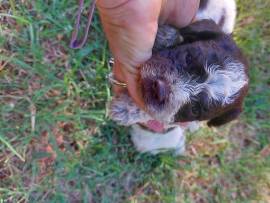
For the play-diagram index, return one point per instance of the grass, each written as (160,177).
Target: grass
(57,144)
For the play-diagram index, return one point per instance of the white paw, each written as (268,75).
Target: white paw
(147,141)
(193,126)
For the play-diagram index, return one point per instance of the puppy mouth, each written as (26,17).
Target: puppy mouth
(154,125)
(159,127)
(156,96)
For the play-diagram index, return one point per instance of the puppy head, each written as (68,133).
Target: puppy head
(204,78)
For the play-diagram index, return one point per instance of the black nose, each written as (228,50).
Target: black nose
(159,90)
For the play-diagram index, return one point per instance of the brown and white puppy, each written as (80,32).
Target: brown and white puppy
(195,74)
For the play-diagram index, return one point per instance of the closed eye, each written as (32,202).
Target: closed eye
(188,58)
(195,110)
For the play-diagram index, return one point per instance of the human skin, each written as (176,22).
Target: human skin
(131,26)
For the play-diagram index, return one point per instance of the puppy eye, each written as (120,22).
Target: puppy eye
(195,111)
(188,59)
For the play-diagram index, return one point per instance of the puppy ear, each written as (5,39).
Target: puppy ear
(167,37)
(200,30)
(225,117)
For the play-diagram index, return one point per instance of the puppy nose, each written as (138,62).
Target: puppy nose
(159,90)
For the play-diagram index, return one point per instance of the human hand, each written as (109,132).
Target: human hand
(130,27)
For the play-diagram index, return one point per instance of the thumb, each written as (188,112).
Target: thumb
(134,87)
(131,77)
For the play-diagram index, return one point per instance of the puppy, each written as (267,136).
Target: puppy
(195,74)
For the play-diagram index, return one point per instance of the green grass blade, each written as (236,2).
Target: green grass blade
(19,19)
(2,139)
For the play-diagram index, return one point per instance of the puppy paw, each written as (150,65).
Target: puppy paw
(193,126)
(154,143)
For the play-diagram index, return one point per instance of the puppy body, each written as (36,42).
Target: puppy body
(223,12)
(196,73)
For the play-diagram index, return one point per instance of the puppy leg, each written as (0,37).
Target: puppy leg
(230,15)
(147,141)
(193,126)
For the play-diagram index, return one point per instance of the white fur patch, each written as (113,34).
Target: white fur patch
(215,9)
(125,112)
(147,141)
(223,84)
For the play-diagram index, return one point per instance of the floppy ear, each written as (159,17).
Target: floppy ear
(200,30)
(225,117)
(167,37)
